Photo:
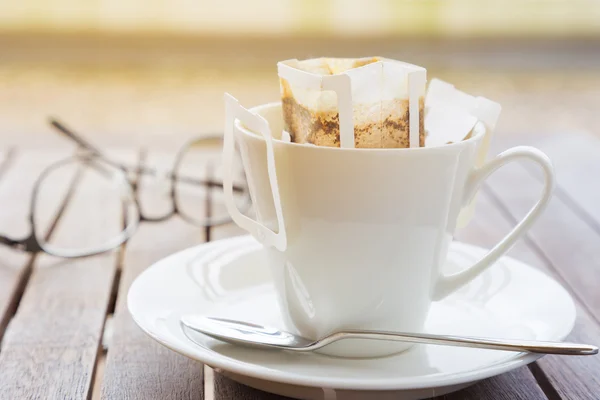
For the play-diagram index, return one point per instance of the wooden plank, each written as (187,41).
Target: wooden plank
(16,184)
(137,367)
(226,388)
(515,385)
(52,343)
(576,157)
(564,375)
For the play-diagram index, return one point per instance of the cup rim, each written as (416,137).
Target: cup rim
(479,132)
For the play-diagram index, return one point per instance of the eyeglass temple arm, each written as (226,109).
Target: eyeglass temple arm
(75,137)
(142,170)
(83,143)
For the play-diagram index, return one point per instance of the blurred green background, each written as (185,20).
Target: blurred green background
(130,72)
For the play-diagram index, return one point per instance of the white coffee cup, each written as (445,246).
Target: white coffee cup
(356,238)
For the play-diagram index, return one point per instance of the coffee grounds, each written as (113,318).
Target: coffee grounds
(321,127)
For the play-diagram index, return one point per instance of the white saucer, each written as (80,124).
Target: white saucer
(230,278)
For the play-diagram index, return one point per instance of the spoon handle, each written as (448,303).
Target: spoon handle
(530,346)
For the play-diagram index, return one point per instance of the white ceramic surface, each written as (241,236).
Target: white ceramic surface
(231,278)
(376,219)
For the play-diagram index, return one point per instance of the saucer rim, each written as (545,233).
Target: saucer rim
(217,361)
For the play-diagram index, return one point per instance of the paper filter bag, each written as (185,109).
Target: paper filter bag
(364,103)
(450,117)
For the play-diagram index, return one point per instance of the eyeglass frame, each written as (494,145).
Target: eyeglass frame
(91,155)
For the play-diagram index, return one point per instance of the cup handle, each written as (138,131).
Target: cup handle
(449,283)
(233,111)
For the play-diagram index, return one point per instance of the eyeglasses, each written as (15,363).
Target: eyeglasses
(189,179)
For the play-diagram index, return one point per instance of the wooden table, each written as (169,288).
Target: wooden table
(66,332)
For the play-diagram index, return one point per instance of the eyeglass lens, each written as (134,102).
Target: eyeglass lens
(100,207)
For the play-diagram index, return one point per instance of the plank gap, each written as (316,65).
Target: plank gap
(99,374)
(543,382)
(540,253)
(115,287)
(106,337)
(97,371)
(13,306)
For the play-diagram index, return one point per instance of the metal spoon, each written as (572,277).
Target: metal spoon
(247,334)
